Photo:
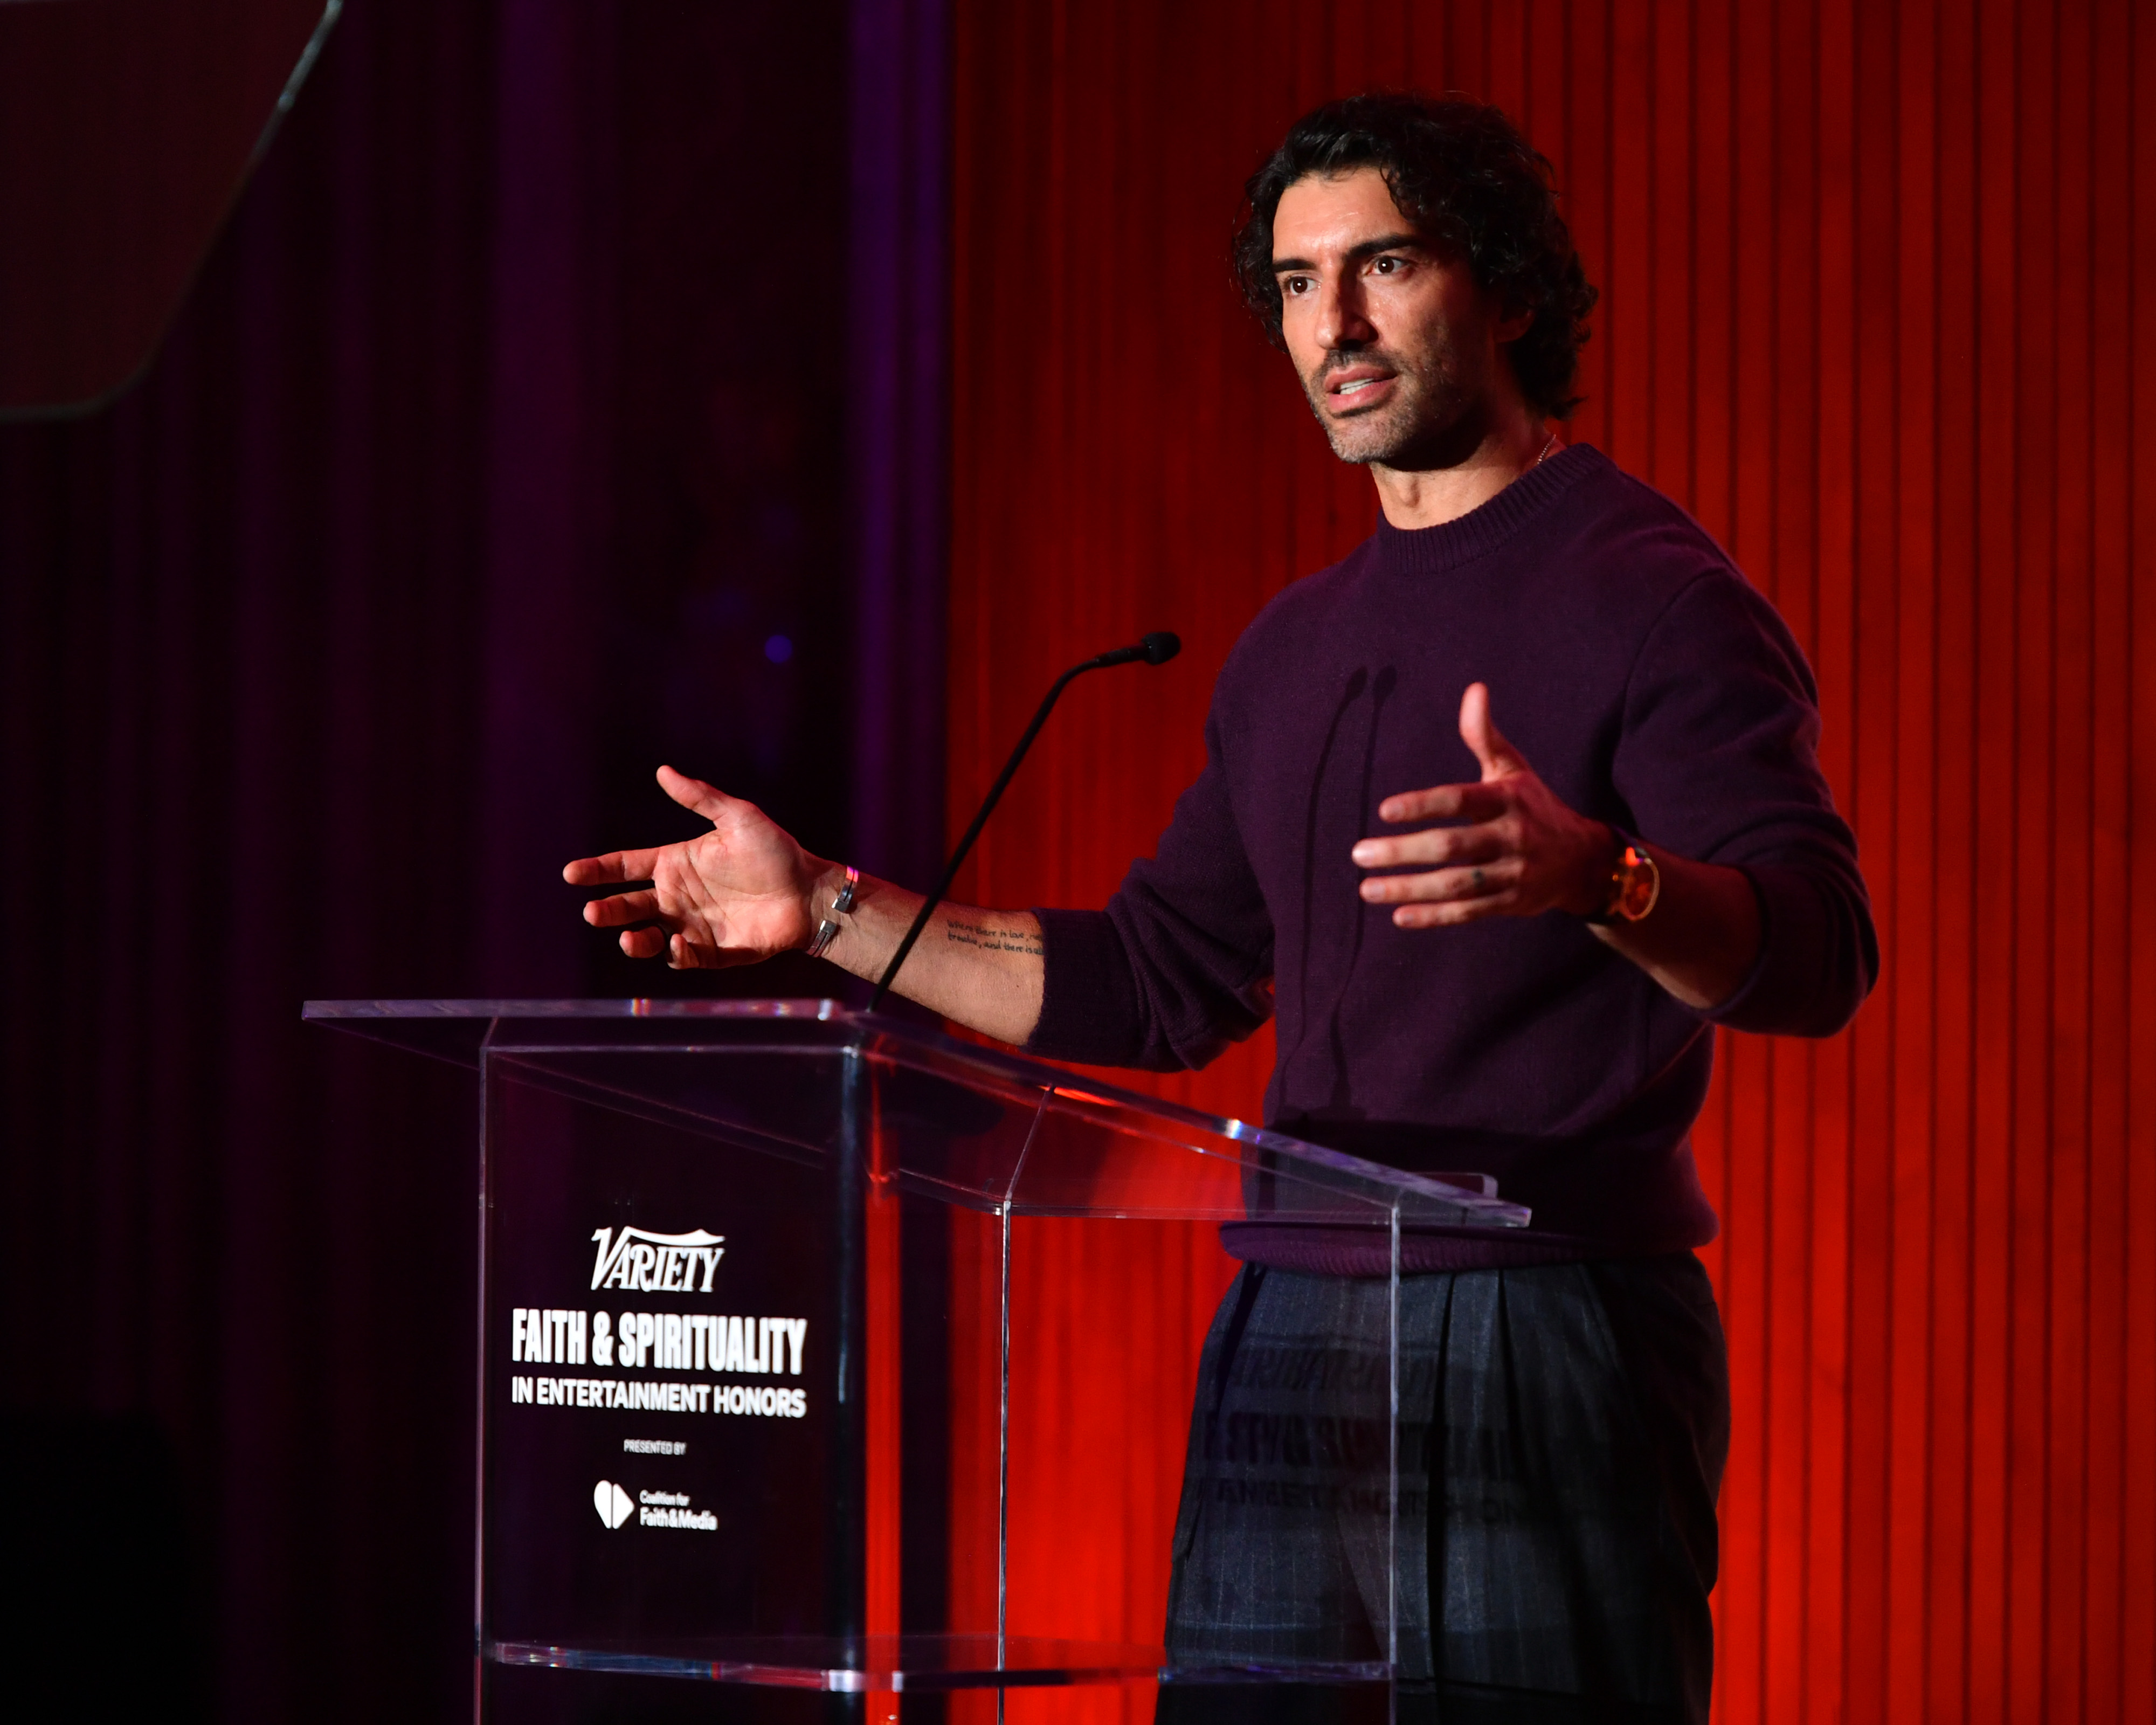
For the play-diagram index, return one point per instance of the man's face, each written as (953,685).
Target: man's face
(1397,347)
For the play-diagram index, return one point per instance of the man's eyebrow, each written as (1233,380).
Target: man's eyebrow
(1368,248)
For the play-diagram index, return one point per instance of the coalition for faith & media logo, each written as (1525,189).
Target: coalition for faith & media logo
(612,1503)
(653,1509)
(657,1263)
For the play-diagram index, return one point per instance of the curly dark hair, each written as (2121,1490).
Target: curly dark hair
(1462,173)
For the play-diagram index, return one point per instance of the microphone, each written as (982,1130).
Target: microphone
(1156,649)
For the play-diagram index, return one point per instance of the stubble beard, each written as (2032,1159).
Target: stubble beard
(1432,405)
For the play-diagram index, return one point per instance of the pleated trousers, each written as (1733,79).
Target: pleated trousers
(1562,1437)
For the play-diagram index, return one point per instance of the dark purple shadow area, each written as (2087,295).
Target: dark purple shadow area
(506,447)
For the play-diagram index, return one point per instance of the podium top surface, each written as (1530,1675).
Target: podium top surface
(952,1120)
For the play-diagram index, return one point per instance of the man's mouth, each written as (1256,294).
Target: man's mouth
(1358,384)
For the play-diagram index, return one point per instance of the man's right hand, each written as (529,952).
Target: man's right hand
(745,891)
(736,895)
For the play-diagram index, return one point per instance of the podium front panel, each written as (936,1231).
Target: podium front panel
(658,1425)
(692,1355)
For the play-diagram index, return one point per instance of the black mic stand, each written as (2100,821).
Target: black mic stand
(1156,648)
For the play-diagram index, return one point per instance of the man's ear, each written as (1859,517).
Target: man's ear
(1513,325)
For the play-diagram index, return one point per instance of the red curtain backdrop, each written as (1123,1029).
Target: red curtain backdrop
(1875,279)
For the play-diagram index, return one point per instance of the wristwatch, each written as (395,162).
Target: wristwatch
(1636,883)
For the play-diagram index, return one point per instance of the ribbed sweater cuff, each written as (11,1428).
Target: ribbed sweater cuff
(1087,992)
(1795,934)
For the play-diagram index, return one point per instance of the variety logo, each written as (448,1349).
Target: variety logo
(657,1263)
(612,1503)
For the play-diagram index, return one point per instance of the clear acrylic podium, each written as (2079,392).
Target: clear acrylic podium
(685,1468)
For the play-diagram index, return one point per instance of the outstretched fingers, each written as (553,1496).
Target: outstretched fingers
(615,865)
(1480,732)
(707,800)
(624,908)
(1452,912)
(684,952)
(1436,844)
(1447,802)
(1488,886)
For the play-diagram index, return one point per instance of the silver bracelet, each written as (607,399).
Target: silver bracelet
(827,931)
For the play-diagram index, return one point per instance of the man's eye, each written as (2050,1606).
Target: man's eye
(1292,285)
(1385,266)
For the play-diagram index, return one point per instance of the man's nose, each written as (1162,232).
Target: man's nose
(1341,321)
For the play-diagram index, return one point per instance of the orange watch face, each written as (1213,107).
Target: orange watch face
(1639,884)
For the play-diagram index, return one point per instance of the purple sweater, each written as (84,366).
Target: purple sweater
(1650,686)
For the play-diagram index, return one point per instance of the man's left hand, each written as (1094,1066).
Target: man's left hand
(1524,852)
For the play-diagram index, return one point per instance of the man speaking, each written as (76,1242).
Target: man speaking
(1501,815)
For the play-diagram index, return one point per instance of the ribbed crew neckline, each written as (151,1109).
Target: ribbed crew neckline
(1431,550)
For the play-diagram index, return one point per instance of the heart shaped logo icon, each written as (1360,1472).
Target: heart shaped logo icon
(612,1503)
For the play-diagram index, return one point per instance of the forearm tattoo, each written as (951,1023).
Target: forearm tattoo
(994,940)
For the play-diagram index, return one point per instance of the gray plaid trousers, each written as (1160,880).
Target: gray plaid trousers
(1567,1423)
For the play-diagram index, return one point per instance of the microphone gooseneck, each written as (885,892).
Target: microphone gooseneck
(1156,649)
